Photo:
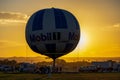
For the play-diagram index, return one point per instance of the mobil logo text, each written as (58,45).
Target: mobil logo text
(52,36)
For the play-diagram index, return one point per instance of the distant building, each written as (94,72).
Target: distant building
(88,69)
(116,67)
(27,67)
(5,68)
(105,66)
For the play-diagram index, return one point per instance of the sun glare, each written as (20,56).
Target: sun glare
(83,40)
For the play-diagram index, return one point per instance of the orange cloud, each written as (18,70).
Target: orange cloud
(6,44)
(6,17)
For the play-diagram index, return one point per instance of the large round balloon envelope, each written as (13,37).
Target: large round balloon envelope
(52,32)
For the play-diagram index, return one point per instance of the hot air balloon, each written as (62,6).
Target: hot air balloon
(52,32)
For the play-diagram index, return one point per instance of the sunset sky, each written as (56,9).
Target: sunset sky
(99,22)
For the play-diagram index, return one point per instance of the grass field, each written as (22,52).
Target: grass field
(62,76)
